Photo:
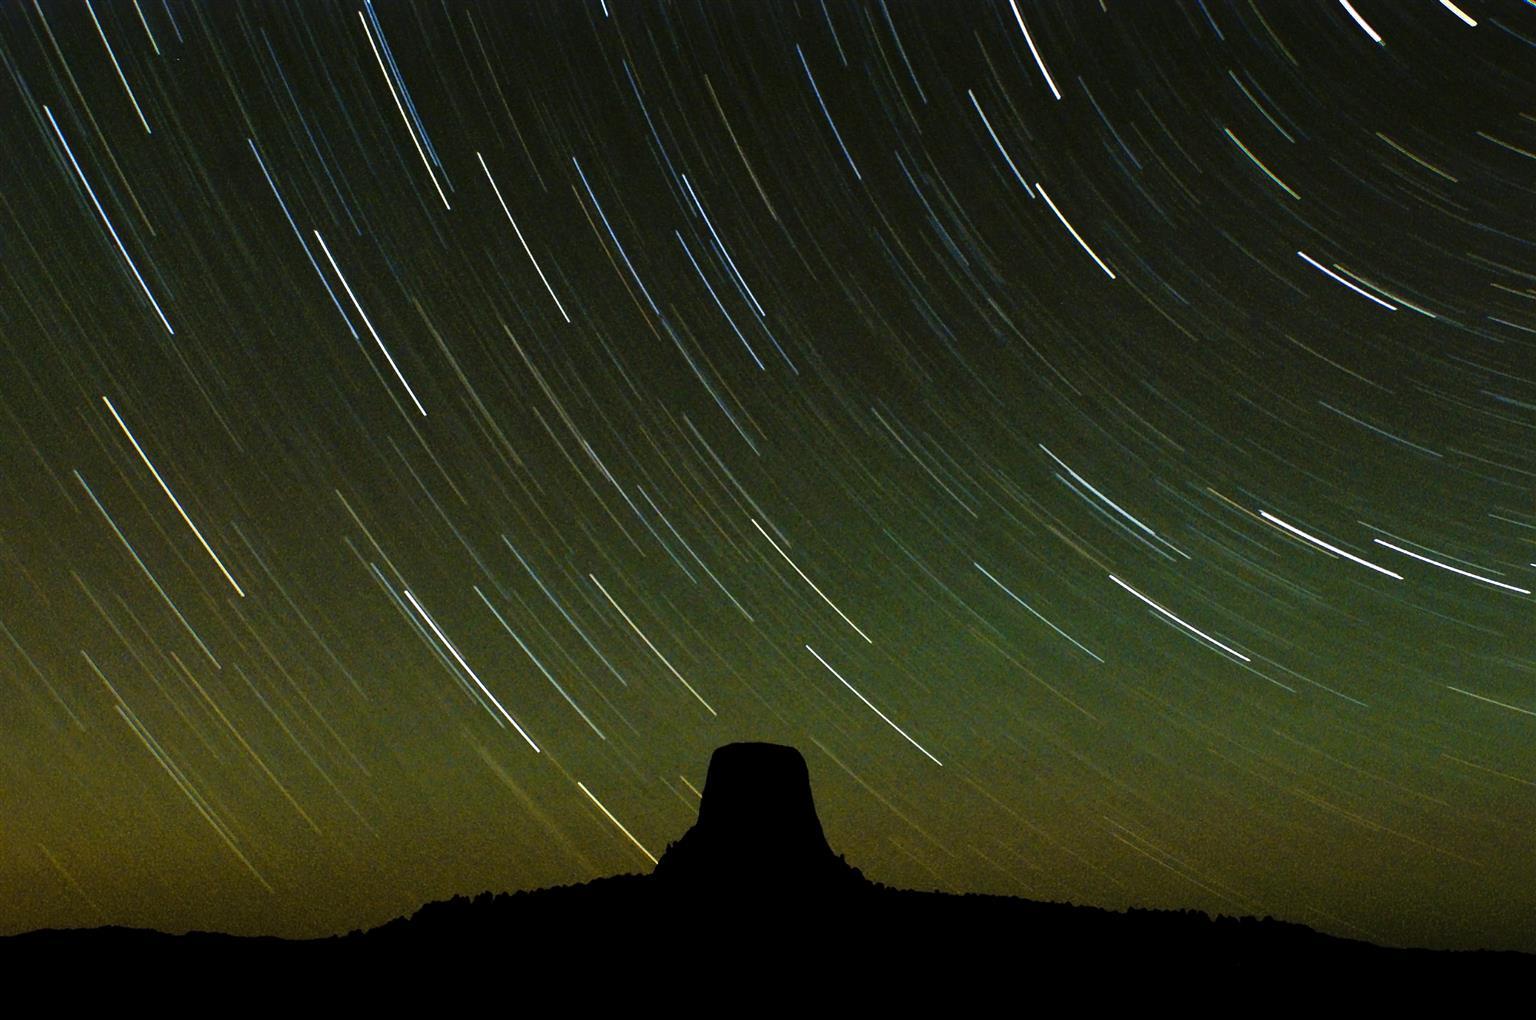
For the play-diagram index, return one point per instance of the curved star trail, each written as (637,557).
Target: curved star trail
(1100,435)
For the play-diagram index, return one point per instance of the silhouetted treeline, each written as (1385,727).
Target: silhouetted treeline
(635,924)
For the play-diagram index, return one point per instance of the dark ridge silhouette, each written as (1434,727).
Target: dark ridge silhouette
(752,897)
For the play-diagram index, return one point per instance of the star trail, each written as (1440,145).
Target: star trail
(1100,434)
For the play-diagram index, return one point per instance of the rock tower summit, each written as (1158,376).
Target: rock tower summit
(757,829)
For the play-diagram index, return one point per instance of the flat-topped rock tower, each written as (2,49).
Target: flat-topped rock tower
(757,830)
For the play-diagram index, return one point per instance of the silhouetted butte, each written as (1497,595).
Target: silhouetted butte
(757,832)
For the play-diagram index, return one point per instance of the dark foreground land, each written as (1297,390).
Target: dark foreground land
(752,901)
(634,925)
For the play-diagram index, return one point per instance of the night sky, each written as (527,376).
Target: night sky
(1100,435)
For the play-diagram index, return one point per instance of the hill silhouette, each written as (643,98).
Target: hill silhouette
(753,892)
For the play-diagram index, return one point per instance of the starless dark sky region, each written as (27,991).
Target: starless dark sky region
(1099,434)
